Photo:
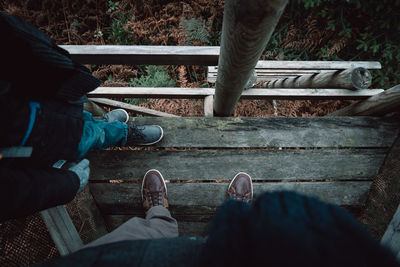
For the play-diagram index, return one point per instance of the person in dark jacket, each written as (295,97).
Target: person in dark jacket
(278,229)
(42,92)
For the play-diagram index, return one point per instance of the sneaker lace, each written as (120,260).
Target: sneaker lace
(237,196)
(135,132)
(155,197)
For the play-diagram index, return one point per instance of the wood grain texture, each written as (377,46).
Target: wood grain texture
(93,108)
(191,199)
(246,29)
(275,131)
(355,79)
(288,94)
(273,65)
(144,54)
(378,105)
(62,230)
(187,55)
(149,92)
(224,164)
(134,108)
(264,75)
(208,106)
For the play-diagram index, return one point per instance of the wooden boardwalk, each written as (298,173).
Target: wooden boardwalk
(334,159)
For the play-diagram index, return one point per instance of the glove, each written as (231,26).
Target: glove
(82,170)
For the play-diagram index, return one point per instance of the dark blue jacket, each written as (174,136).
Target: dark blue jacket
(41,92)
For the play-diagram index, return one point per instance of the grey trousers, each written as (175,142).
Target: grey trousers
(157,224)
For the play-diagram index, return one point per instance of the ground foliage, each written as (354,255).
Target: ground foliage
(308,30)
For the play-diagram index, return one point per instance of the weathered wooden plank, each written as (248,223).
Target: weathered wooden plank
(356,78)
(260,77)
(148,92)
(391,238)
(144,54)
(312,65)
(190,199)
(318,164)
(134,108)
(275,131)
(93,108)
(213,70)
(208,106)
(187,55)
(271,74)
(288,94)
(380,104)
(268,74)
(312,94)
(185,228)
(62,230)
(61,227)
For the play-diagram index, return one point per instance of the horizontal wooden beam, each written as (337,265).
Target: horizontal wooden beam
(377,105)
(287,94)
(354,79)
(191,199)
(306,67)
(313,164)
(187,55)
(134,108)
(275,131)
(149,92)
(272,73)
(144,54)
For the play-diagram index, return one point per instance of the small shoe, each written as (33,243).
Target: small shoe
(116,115)
(144,135)
(154,190)
(241,188)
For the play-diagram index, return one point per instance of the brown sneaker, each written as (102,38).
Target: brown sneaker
(241,188)
(154,190)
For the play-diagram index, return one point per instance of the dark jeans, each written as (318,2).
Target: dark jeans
(99,135)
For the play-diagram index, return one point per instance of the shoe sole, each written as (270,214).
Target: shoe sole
(159,139)
(162,178)
(127,115)
(251,183)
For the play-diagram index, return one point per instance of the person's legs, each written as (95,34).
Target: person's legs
(112,130)
(99,134)
(158,222)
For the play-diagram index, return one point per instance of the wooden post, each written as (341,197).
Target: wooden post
(246,29)
(208,106)
(377,105)
(356,78)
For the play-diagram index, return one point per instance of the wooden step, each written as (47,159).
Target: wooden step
(333,159)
